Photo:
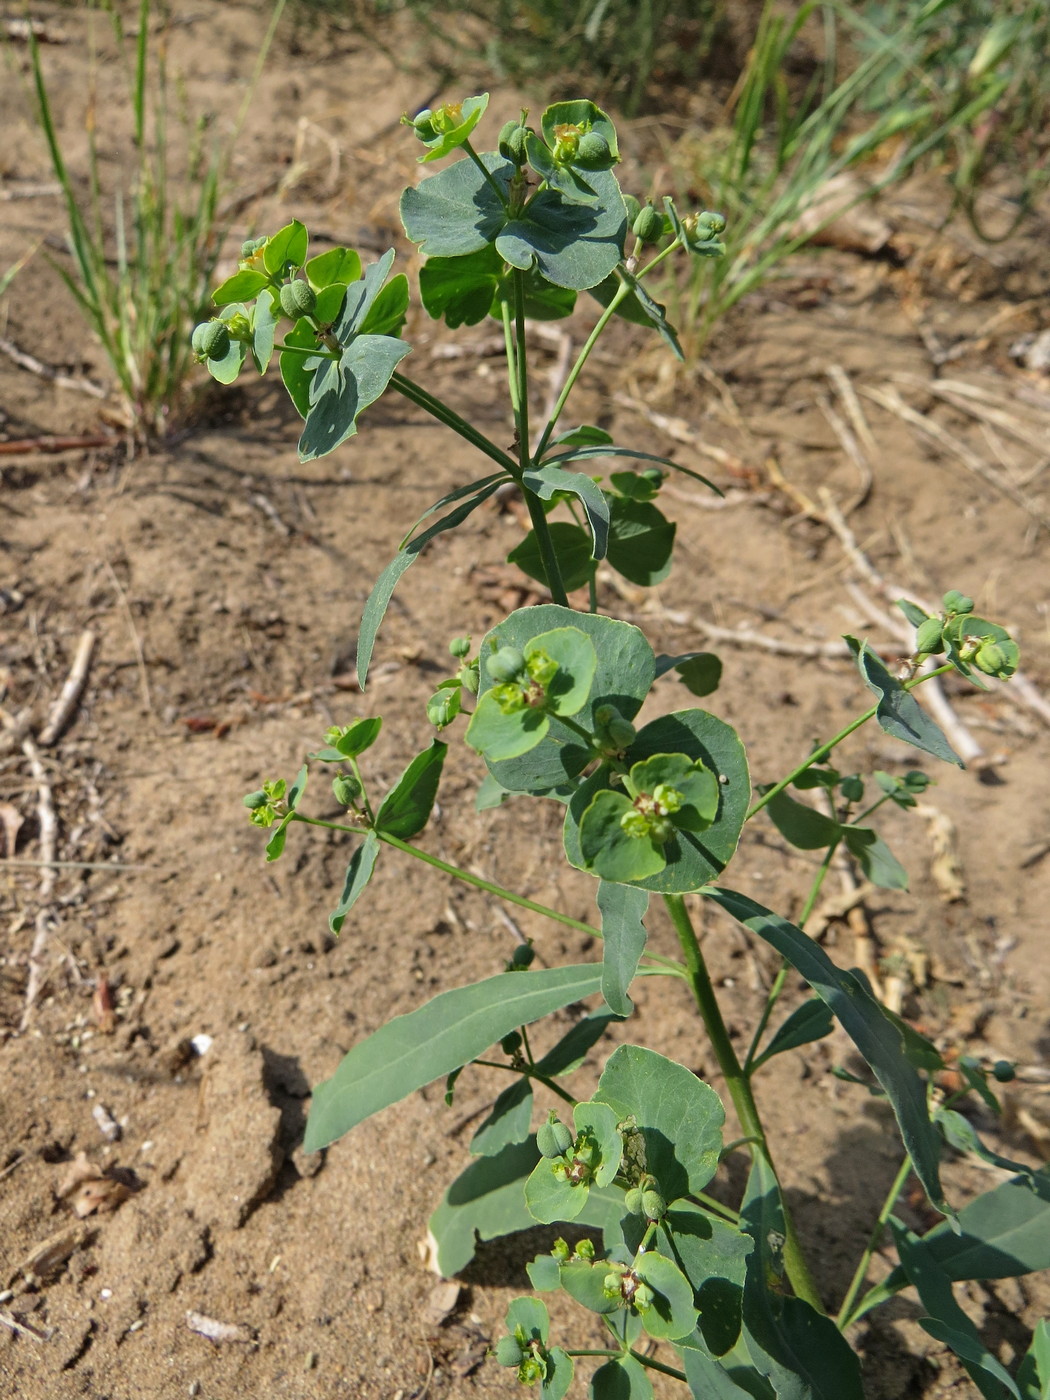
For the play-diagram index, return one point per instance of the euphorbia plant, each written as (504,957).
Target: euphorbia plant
(651,809)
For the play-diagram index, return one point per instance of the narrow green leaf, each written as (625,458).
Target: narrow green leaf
(811,1021)
(803,826)
(358,874)
(406,808)
(1033,1374)
(638,307)
(583,454)
(947,1322)
(586,435)
(571,1050)
(275,845)
(899,713)
(450,1030)
(960,1133)
(507,1122)
(546,481)
(623,941)
(876,859)
(801,1351)
(381,594)
(862,1018)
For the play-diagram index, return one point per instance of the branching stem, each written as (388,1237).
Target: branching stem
(738,1084)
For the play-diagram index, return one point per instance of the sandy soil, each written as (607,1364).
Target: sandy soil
(224,582)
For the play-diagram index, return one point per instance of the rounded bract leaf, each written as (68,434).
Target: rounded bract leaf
(572,651)
(690,858)
(586,116)
(624,671)
(550,1196)
(612,851)
(530,1315)
(672,1313)
(599,1124)
(498,736)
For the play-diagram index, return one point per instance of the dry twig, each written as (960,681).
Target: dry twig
(70,694)
(889,399)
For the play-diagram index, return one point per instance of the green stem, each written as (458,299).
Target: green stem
(530,1074)
(653,1365)
(416,394)
(307,354)
(622,292)
(489,180)
(820,753)
(716,1207)
(518,373)
(486,885)
(844,1318)
(739,1086)
(640,1357)
(511,354)
(753,1060)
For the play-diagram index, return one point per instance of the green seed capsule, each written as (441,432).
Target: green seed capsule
(990,658)
(1003,1071)
(512,142)
(505,665)
(612,1285)
(553,1138)
(211,341)
(298,298)
(509,1352)
(649,225)
(346,789)
(633,1200)
(956,602)
(593,151)
(928,638)
(425,127)
(511,1044)
(654,1206)
(459,646)
(710,224)
(255,799)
